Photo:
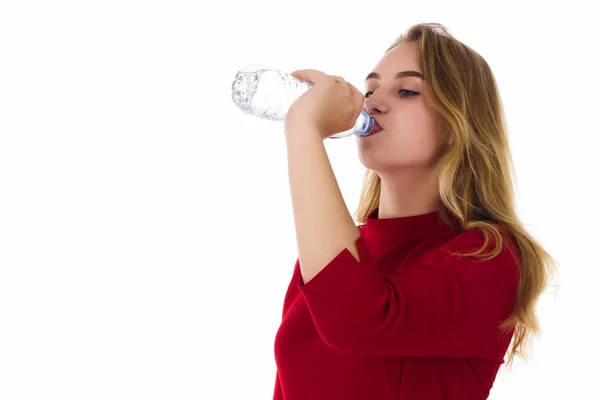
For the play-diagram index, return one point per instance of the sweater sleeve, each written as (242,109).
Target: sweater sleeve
(449,307)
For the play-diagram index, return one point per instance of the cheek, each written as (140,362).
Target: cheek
(413,139)
(416,138)
(418,129)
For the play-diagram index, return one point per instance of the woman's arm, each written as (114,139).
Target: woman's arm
(324,227)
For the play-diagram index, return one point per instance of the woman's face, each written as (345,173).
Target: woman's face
(411,137)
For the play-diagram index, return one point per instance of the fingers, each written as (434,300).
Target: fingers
(342,81)
(309,75)
(314,76)
(358,98)
(354,90)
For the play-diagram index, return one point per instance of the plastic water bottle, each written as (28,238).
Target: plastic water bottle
(269,93)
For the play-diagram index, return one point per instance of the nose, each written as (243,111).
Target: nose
(376,104)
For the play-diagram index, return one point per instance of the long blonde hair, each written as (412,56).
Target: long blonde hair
(476,170)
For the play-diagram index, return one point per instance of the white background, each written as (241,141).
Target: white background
(146,229)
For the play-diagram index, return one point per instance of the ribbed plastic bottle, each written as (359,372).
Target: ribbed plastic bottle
(269,93)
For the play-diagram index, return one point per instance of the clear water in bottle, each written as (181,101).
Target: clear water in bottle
(269,93)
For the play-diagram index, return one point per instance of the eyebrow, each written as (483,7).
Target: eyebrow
(375,75)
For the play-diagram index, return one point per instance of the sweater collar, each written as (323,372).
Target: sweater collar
(405,227)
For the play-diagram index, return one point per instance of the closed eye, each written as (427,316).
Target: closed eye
(401,92)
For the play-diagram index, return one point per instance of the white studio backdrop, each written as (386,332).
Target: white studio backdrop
(146,229)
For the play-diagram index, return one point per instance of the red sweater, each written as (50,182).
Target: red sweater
(410,321)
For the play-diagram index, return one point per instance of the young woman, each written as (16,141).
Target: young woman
(424,297)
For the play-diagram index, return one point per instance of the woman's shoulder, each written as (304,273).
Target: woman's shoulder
(480,235)
(471,240)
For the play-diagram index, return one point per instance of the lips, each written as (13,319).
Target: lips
(377,128)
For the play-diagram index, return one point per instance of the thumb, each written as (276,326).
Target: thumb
(358,99)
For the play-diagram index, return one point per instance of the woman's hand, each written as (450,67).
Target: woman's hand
(329,107)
